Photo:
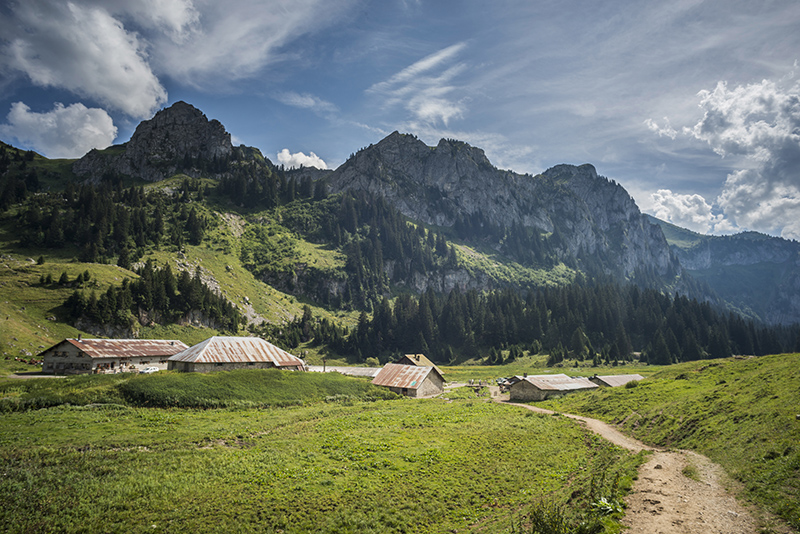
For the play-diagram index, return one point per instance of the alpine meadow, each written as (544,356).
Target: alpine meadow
(478,281)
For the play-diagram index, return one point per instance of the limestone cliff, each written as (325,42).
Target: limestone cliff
(176,138)
(437,185)
(757,273)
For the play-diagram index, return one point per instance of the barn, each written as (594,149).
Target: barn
(615,381)
(410,380)
(81,356)
(541,387)
(224,353)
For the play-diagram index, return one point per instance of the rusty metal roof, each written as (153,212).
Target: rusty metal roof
(126,348)
(226,349)
(616,380)
(395,375)
(560,382)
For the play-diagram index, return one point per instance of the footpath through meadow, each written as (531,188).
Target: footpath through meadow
(666,501)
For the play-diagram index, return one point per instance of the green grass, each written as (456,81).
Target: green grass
(742,413)
(536,365)
(503,271)
(251,388)
(387,466)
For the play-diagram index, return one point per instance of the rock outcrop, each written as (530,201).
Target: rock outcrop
(437,185)
(177,138)
(758,274)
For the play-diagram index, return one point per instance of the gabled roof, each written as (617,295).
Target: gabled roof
(560,382)
(125,348)
(395,375)
(228,349)
(616,380)
(420,360)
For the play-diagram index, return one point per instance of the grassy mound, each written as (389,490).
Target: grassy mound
(232,389)
(245,388)
(742,413)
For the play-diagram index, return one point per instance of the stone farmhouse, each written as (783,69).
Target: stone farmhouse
(225,353)
(82,356)
(541,387)
(410,380)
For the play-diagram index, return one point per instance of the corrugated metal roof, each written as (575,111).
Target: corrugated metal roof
(371,372)
(127,348)
(228,349)
(560,382)
(617,380)
(395,375)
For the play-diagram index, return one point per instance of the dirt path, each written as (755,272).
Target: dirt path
(664,500)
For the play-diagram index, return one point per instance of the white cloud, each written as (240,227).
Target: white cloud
(176,18)
(235,39)
(293,161)
(64,132)
(425,87)
(758,125)
(85,50)
(663,131)
(307,101)
(114,51)
(687,211)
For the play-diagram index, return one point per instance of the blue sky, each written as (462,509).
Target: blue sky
(693,106)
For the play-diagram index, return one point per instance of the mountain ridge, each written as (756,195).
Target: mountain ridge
(440,185)
(567,217)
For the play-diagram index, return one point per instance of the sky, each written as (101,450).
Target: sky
(692,106)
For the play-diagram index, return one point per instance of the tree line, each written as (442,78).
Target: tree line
(605,323)
(109,221)
(157,296)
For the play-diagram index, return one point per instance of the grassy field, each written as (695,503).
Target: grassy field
(252,388)
(343,465)
(536,364)
(742,413)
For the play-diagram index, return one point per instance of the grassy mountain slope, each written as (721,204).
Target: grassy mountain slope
(742,413)
(225,258)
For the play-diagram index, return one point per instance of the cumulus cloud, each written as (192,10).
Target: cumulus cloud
(83,49)
(293,161)
(64,132)
(756,129)
(687,211)
(425,87)
(757,125)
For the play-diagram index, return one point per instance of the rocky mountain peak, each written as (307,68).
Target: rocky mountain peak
(174,138)
(455,181)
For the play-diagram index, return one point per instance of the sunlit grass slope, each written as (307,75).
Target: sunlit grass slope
(379,467)
(742,413)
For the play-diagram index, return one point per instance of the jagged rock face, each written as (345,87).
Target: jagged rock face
(759,274)
(176,136)
(436,185)
(749,248)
